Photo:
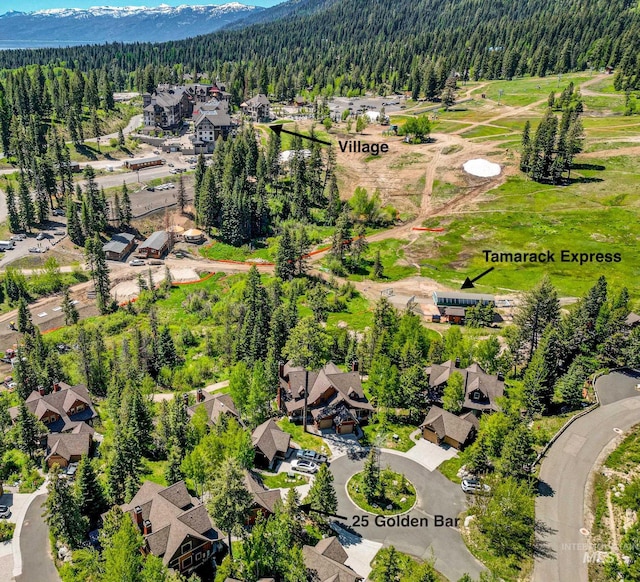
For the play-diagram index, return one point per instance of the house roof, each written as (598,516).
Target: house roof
(446,424)
(174,516)
(262,497)
(215,405)
(67,445)
(455,311)
(270,439)
(346,386)
(475,379)
(156,241)
(217,117)
(326,563)
(119,242)
(259,99)
(60,403)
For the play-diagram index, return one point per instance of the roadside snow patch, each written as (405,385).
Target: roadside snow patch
(481,168)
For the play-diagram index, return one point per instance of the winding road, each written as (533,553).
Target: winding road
(436,496)
(562,549)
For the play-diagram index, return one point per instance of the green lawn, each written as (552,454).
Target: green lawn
(373,431)
(282,480)
(398,493)
(597,213)
(304,439)
(392,256)
(154,471)
(450,468)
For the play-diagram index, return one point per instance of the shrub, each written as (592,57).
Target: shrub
(6,530)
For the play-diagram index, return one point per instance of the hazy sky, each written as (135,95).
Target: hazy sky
(29,5)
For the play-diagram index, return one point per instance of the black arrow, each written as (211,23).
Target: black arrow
(306,508)
(278,130)
(468,283)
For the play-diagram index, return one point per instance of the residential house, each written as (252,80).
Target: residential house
(455,315)
(264,500)
(176,527)
(119,246)
(481,390)
(441,426)
(326,562)
(258,108)
(215,405)
(335,399)
(271,444)
(65,448)
(62,410)
(155,246)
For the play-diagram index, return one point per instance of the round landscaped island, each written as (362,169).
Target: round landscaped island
(395,493)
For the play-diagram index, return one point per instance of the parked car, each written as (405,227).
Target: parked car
(40,236)
(18,237)
(304,466)
(36,250)
(170,164)
(474,486)
(156,262)
(58,212)
(5,512)
(150,188)
(12,385)
(156,152)
(71,470)
(59,233)
(136,263)
(309,455)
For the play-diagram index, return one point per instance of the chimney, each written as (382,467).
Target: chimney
(185,399)
(146,527)
(199,395)
(137,511)
(281,369)
(457,362)
(56,386)
(354,366)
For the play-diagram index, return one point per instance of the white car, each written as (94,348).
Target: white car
(304,466)
(5,512)
(136,263)
(40,236)
(474,486)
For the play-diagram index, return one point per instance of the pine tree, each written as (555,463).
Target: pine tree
(12,210)
(322,494)
(96,261)
(173,472)
(74,228)
(71,315)
(182,194)
(25,325)
(285,256)
(341,241)
(167,354)
(230,501)
(371,477)
(88,491)
(377,270)
(518,454)
(117,210)
(453,395)
(525,157)
(62,514)
(27,210)
(28,433)
(127,216)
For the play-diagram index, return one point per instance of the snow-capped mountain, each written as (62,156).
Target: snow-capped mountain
(100,24)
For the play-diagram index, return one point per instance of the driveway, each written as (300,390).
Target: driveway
(37,564)
(560,508)
(618,385)
(430,455)
(436,496)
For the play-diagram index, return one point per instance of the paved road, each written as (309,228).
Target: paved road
(436,496)
(37,564)
(560,508)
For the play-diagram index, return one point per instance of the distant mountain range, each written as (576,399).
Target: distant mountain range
(101,24)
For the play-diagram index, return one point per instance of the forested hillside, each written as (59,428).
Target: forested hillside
(353,45)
